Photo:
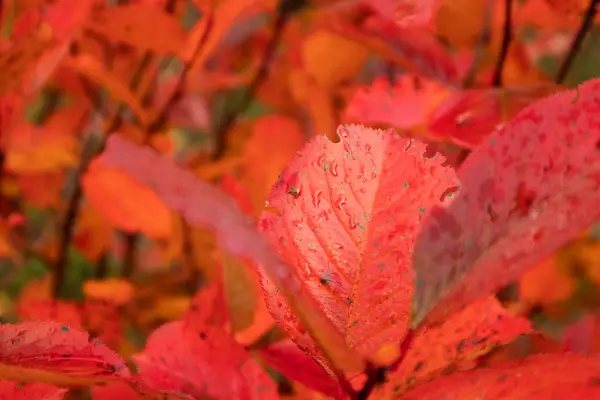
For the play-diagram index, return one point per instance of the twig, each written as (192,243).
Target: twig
(65,235)
(161,119)
(129,258)
(482,44)
(375,376)
(584,27)
(506,39)
(284,13)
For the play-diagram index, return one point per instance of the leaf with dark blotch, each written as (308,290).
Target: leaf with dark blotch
(55,353)
(527,190)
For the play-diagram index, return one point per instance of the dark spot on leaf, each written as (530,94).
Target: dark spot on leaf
(64,328)
(202,335)
(419,366)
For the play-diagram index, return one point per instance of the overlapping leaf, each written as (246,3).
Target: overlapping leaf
(198,358)
(526,191)
(45,351)
(348,213)
(467,335)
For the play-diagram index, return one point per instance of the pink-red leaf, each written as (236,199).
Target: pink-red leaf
(203,204)
(55,353)
(527,190)
(12,390)
(549,376)
(201,361)
(348,213)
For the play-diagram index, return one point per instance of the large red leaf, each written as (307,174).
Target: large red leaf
(527,190)
(203,204)
(465,336)
(12,390)
(54,353)
(201,362)
(348,214)
(549,376)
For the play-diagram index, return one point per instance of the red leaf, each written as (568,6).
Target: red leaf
(406,105)
(288,359)
(406,12)
(201,361)
(203,204)
(54,353)
(348,214)
(525,192)
(470,116)
(10,390)
(465,336)
(550,376)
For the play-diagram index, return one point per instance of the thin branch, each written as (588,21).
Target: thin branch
(67,227)
(132,241)
(584,27)
(285,11)
(161,119)
(507,36)
(375,377)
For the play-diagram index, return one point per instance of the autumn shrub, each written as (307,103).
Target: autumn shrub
(176,227)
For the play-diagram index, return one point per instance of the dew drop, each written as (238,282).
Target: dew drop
(297,223)
(352,222)
(348,148)
(341,203)
(317,198)
(334,169)
(321,160)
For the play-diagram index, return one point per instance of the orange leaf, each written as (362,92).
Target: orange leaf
(113,290)
(263,163)
(344,58)
(95,72)
(136,24)
(546,284)
(127,204)
(35,149)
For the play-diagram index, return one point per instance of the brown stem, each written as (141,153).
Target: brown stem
(506,39)
(584,27)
